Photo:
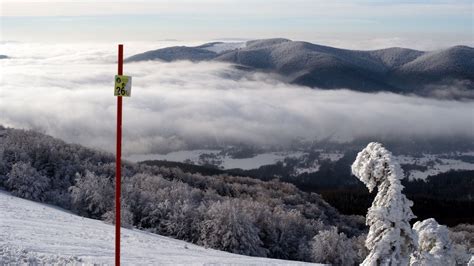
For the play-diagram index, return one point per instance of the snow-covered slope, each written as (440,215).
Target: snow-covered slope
(457,60)
(395,56)
(220,47)
(42,234)
(450,67)
(174,53)
(206,51)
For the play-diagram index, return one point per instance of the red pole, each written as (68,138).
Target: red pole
(118,170)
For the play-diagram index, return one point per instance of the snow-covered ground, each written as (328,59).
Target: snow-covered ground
(226,162)
(37,233)
(331,156)
(314,167)
(175,156)
(435,164)
(256,161)
(224,46)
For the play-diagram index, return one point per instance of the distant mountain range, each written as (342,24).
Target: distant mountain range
(448,72)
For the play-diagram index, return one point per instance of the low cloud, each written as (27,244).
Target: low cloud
(68,93)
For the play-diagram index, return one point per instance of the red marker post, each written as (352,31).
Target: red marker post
(123,88)
(118,163)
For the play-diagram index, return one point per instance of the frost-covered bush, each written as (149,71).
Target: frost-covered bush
(358,242)
(11,255)
(390,240)
(126,216)
(3,165)
(462,237)
(288,234)
(92,195)
(162,206)
(24,181)
(329,246)
(227,227)
(434,244)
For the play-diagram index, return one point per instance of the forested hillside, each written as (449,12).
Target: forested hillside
(237,214)
(448,197)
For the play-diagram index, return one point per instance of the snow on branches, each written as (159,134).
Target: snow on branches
(390,239)
(434,244)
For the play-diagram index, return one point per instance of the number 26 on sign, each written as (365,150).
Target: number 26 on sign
(123,85)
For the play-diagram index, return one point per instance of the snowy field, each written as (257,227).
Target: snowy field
(37,233)
(224,46)
(434,163)
(226,162)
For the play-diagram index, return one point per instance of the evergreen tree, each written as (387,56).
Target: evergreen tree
(390,240)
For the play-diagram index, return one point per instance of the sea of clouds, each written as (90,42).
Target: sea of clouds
(66,91)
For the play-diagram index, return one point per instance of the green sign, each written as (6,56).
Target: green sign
(123,86)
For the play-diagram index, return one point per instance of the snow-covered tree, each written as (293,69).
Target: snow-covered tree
(390,240)
(462,237)
(358,243)
(126,216)
(228,227)
(288,234)
(434,245)
(24,181)
(3,165)
(92,194)
(329,246)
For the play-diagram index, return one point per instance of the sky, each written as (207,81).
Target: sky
(359,24)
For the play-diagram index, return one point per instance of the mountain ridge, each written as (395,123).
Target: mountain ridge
(394,69)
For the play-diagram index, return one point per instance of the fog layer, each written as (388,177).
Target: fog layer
(67,91)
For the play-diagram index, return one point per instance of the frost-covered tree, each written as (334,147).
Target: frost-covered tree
(289,234)
(390,240)
(24,181)
(462,237)
(228,227)
(434,245)
(92,194)
(3,165)
(126,216)
(329,246)
(358,243)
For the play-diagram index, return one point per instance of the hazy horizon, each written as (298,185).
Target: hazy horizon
(358,24)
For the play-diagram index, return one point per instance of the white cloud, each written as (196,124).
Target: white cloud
(68,92)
